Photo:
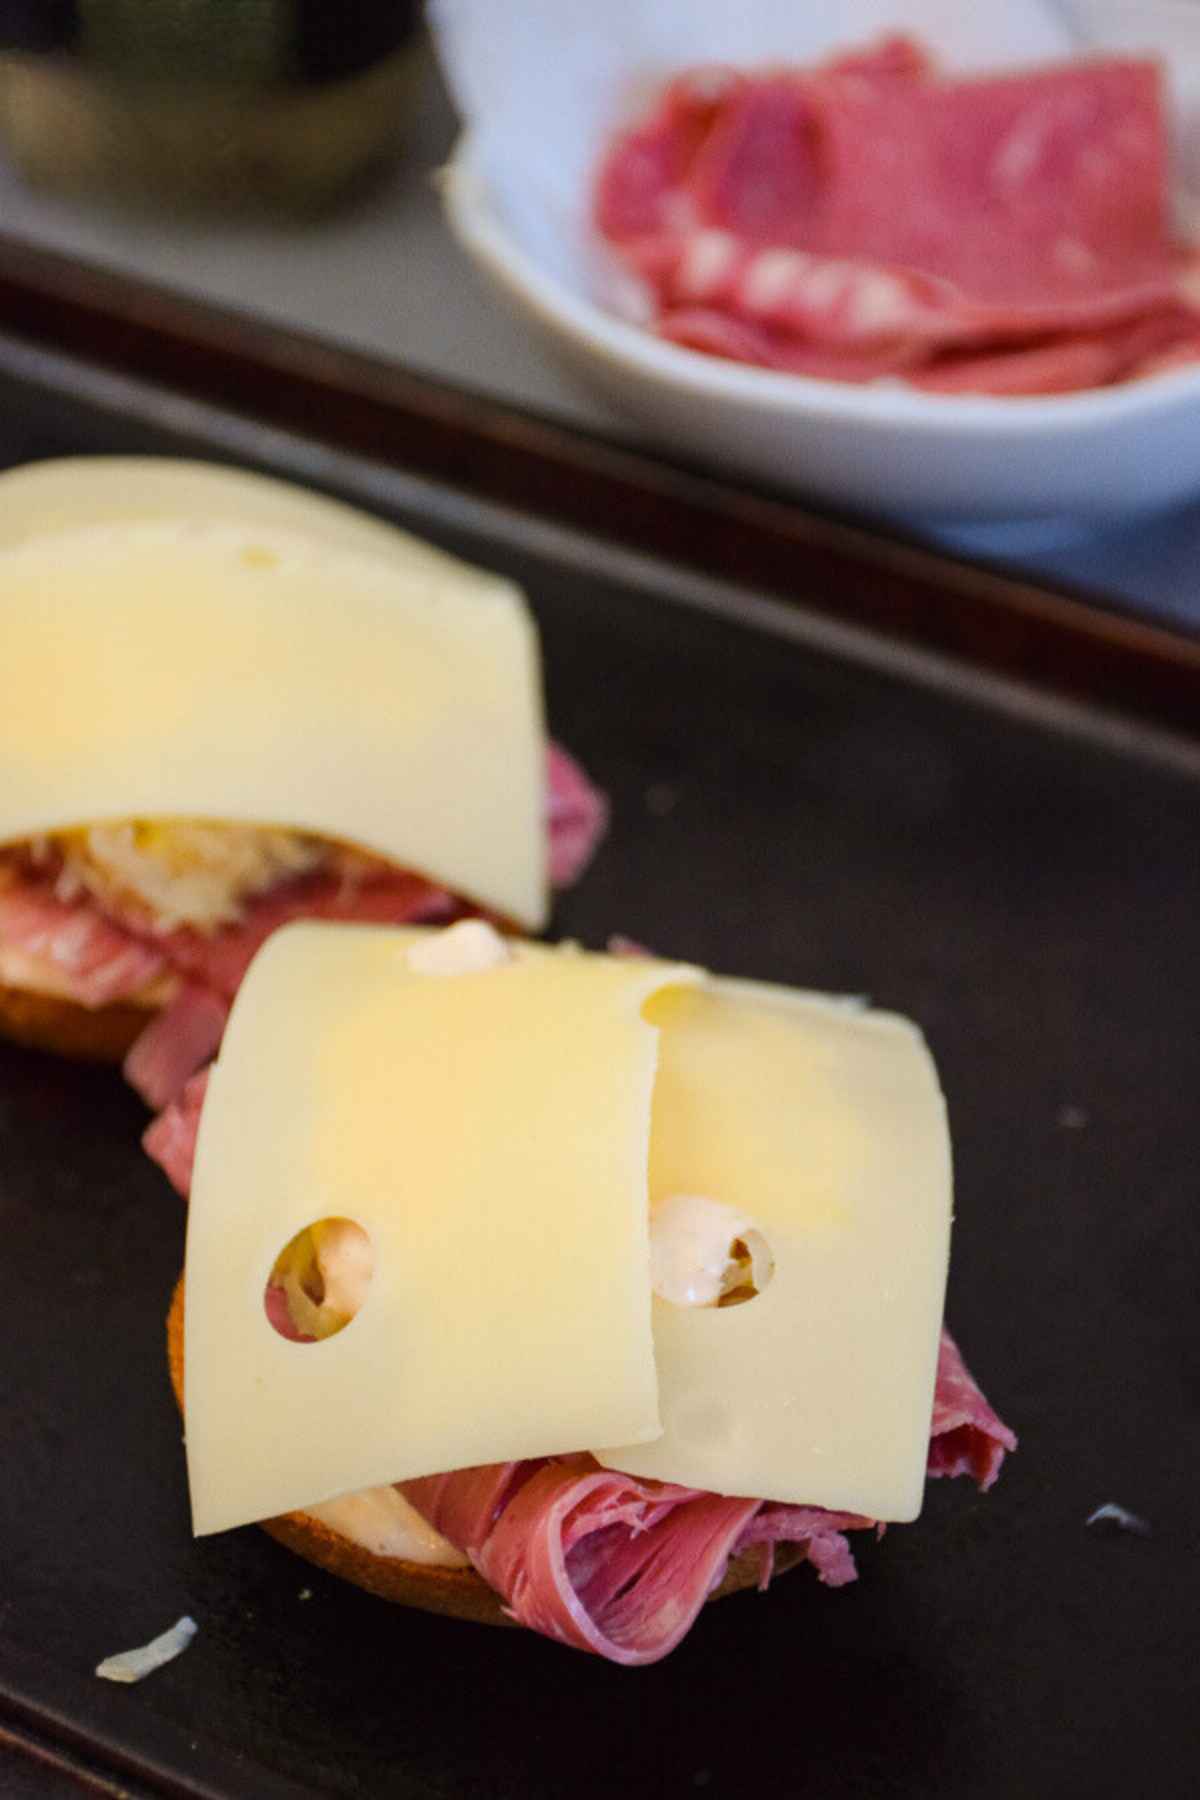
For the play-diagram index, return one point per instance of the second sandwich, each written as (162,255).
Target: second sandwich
(226,703)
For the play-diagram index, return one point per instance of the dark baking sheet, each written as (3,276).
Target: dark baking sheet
(1027,885)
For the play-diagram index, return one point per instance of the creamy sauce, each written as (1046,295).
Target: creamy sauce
(463,949)
(382,1521)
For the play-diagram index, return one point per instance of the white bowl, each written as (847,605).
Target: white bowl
(879,448)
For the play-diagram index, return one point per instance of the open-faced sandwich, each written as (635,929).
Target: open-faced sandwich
(226,703)
(614,1286)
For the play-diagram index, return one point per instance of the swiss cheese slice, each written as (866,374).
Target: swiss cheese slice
(237,671)
(490,1133)
(70,493)
(823,1123)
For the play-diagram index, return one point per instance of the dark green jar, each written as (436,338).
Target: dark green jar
(212,104)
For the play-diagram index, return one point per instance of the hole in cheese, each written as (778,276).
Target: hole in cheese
(704,1253)
(749,1269)
(319,1281)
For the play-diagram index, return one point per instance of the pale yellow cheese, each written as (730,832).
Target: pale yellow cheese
(235,672)
(489,1131)
(72,492)
(823,1123)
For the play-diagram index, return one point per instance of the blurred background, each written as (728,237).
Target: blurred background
(281,159)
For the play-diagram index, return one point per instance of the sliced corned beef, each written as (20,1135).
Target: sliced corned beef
(178,1040)
(597,1560)
(717,333)
(576,817)
(170,1139)
(858,219)
(621,1567)
(1064,364)
(967,1438)
(101,958)
(660,173)
(97,962)
(606,1562)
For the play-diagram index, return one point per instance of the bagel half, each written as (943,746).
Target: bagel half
(459,1593)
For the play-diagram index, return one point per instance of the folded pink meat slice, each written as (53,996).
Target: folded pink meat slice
(97,960)
(717,333)
(849,221)
(621,1567)
(1162,338)
(653,180)
(103,958)
(1044,190)
(966,1436)
(1167,337)
(576,817)
(818,303)
(603,1561)
(178,1040)
(607,1563)
(170,1139)
(595,1559)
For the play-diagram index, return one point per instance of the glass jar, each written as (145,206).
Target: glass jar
(209,104)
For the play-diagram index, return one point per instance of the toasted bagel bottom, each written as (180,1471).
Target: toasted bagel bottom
(460,1593)
(50,1022)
